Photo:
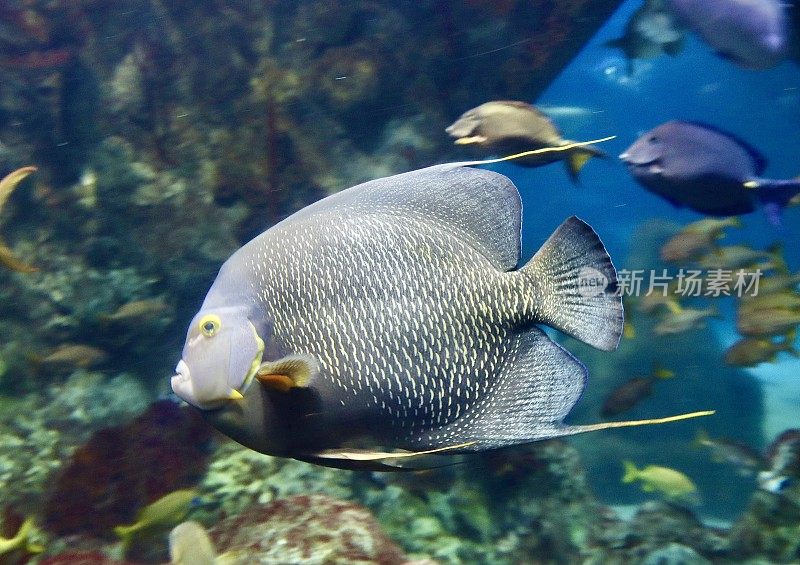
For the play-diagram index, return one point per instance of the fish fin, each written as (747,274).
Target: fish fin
(774,195)
(369,460)
(291,371)
(575,163)
(10,182)
(701,439)
(539,385)
(674,306)
(10,261)
(470,140)
(568,263)
(647,487)
(631,472)
(583,428)
(478,206)
(125,534)
(628,330)
(773,213)
(567,146)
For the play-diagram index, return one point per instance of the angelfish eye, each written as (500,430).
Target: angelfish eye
(209,325)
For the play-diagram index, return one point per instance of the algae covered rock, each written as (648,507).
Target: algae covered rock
(305,529)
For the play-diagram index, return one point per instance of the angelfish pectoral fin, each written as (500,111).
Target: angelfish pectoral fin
(288,372)
(571,430)
(278,382)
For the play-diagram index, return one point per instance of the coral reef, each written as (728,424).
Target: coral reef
(769,527)
(40,431)
(313,529)
(123,468)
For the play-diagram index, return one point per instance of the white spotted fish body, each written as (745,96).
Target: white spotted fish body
(391,315)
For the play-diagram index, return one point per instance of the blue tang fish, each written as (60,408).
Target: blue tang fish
(752,33)
(391,316)
(698,166)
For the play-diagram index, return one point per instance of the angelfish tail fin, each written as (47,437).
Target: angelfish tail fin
(573,286)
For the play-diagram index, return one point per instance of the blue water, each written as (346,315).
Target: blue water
(762,107)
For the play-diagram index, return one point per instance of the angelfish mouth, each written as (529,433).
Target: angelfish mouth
(182,373)
(181,379)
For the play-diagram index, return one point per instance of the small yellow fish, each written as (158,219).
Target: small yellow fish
(655,301)
(673,484)
(786,299)
(777,282)
(162,514)
(684,319)
(7,186)
(767,322)
(734,257)
(696,239)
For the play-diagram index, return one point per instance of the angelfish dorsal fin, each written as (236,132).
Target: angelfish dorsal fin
(287,372)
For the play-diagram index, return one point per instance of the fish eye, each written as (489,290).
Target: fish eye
(209,325)
(653,138)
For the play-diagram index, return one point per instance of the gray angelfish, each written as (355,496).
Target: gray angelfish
(390,316)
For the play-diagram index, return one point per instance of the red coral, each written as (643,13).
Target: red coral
(123,468)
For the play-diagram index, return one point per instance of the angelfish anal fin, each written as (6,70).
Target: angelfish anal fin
(288,372)
(369,460)
(579,429)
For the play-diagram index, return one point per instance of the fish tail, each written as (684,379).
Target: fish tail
(631,472)
(775,194)
(701,439)
(579,157)
(125,534)
(787,345)
(573,286)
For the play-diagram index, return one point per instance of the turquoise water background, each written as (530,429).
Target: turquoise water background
(761,107)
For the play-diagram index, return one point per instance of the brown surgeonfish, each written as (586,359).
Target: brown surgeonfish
(509,126)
